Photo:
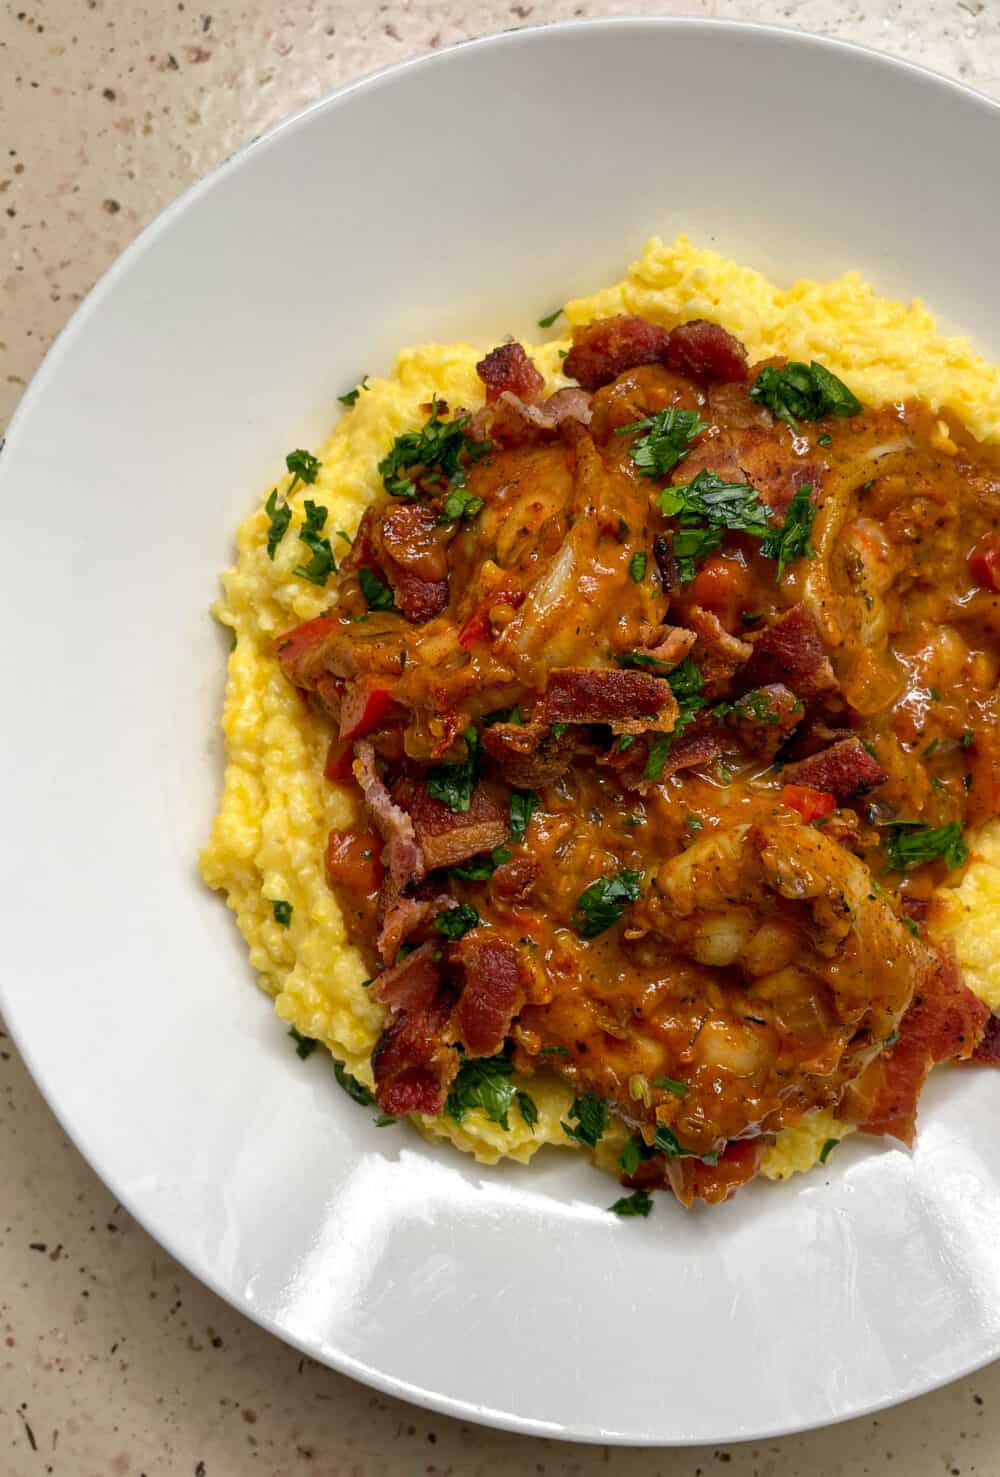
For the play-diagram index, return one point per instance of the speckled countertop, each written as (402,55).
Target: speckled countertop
(114,1361)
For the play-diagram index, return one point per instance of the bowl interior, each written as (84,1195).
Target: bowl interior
(460,196)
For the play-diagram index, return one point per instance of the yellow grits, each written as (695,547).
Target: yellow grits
(268,839)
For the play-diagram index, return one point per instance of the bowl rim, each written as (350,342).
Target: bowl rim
(353,1368)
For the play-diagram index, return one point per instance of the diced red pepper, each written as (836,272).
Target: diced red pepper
(984,562)
(721,586)
(811,804)
(295,648)
(339,758)
(477,626)
(363,708)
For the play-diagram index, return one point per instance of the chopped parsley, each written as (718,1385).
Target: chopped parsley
(553,1051)
(824,440)
(638,1203)
(601,904)
(665,439)
(453,784)
(705,509)
(482,867)
(592,1119)
(282,912)
(803,392)
(354,1089)
(828,1147)
(322,564)
(527,1108)
(668,1143)
(791,541)
(303,467)
(686,684)
(304,1045)
(351,397)
(911,925)
(670,1084)
(435,457)
(385,1120)
(931,747)
(549,319)
(502,715)
(758,706)
(558,729)
(377,595)
(486,1083)
(637,566)
(659,749)
(751,617)
(279,519)
(642,660)
(968,739)
(454,923)
(460,504)
(522,806)
(911,844)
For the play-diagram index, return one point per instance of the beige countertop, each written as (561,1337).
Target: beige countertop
(115,1362)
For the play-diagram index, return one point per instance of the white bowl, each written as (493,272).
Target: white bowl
(459,195)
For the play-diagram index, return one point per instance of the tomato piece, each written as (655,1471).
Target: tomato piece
(339,758)
(811,804)
(477,626)
(353,866)
(984,562)
(363,708)
(721,586)
(295,648)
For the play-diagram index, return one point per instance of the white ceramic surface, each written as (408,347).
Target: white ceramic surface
(459,195)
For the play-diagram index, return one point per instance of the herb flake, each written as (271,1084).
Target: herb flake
(601,904)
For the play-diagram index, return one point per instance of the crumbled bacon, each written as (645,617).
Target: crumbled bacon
(445,837)
(529,754)
(512,881)
(945,1021)
(419,600)
(630,701)
(411,984)
(791,651)
(606,348)
(763,718)
(412,1063)
(988,1050)
(706,352)
(717,654)
(401,855)
(508,367)
(492,991)
(846,770)
(300,651)
(510,420)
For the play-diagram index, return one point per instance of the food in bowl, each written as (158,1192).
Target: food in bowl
(611,730)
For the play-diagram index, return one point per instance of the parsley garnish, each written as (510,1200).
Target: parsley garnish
(453,784)
(482,867)
(638,1203)
(668,1143)
(528,1110)
(657,757)
(803,392)
(553,1051)
(751,617)
(522,806)
(352,395)
(454,923)
(502,715)
(304,1045)
(549,319)
(303,467)
(911,925)
(637,566)
(322,563)
(377,595)
(601,904)
(670,1084)
(968,739)
(665,439)
(592,1119)
(758,706)
(435,457)
(558,729)
(460,504)
(279,521)
(686,684)
(486,1083)
(643,661)
(791,541)
(705,509)
(282,912)
(354,1089)
(385,1120)
(910,844)
(827,1149)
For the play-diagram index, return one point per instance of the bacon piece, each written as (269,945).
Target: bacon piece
(508,367)
(666,644)
(791,651)
(411,984)
(663,553)
(511,421)
(412,1063)
(409,551)
(988,1050)
(846,770)
(300,651)
(706,351)
(764,717)
(606,348)
(401,855)
(630,701)
(419,600)
(401,915)
(945,1021)
(512,881)
(446,837)
(363,550)
(717,654)
(699,744)
(492,992)
(529,754)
